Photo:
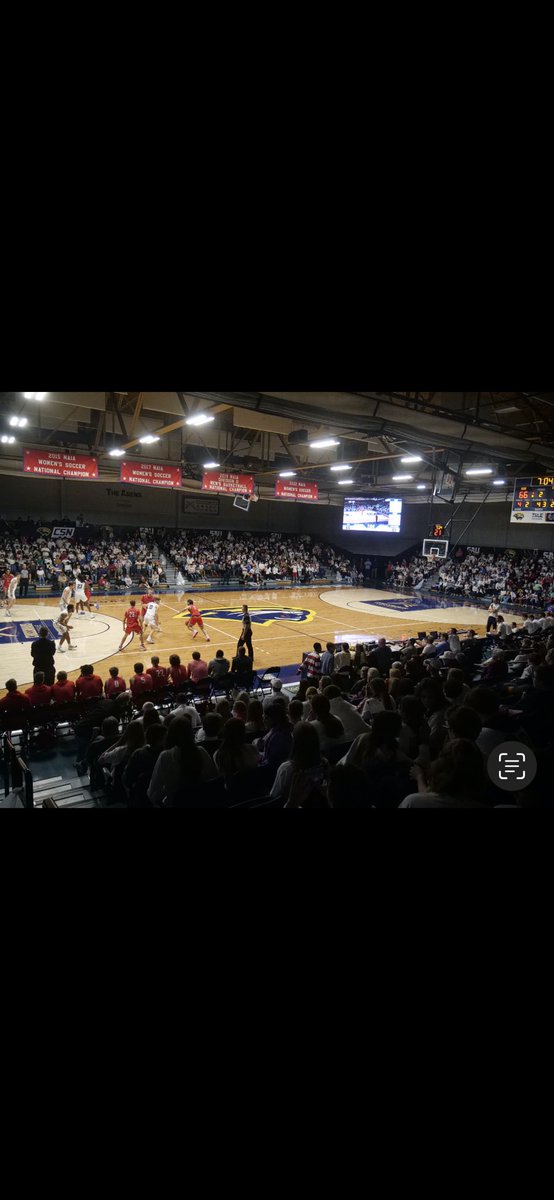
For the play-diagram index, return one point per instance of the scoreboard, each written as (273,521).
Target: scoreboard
(533,502)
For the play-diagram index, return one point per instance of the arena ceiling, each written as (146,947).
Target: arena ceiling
(268,432)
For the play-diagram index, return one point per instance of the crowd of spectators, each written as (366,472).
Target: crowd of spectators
(520,578)
(124,561)
(372,726)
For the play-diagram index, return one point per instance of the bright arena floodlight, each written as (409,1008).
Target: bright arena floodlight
(210,466)
(401,478)
(341,467)
(411,458)
(149,438)
(116,453)
(499,483)
(199,419)
(345,482)
(35,395)
(286,474)
(323,445)
(422,487)
(479,471)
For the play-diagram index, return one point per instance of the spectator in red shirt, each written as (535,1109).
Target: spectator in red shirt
(197,669)
(157,674)
(63,691)
(14,700)
(178,672)
(312,662)
(115,685)
(141,684)
(89,686)
(39,694)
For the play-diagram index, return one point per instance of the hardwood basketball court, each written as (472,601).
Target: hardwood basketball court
(285,624)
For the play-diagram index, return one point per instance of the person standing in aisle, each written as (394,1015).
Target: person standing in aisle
(42,654)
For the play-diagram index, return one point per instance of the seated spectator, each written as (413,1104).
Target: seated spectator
(486,704)
(211,733)
(296,712)
(538,707)
(255,717)
(329,728)
(239,712)
(89,686)
(158,674)
(177,671)
(455,688)
(377,699)
(223,708)
(14,701)
(328,659)
(235,754)
(186,709)
(307,705)
(305,759)
(181,768)
(115,685)
(197,668)
(140,767)
(429,648)
(432,697)
(105,738)
(277,695)
(219,666)
(149,715)
(242,665)
(378,755)
(63,691)
(414,735)
(496,670)
(39,694)
(457,779)
(454,643)
(347,787)
(349,717)
(275,746)
(463,722)
(324,682)
(117,755)
(141,685)
(343,659)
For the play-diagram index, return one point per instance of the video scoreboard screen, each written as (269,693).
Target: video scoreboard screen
(533,502)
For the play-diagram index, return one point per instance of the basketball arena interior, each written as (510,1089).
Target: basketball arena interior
(275,600)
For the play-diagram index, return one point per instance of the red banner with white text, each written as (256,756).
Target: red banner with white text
(151,474)
(230,484)
(290,489)
(60,463)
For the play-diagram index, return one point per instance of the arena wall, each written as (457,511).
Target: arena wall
(101,503)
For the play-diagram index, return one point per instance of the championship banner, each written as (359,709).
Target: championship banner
(151,474)
(60,463)
(287,489)
(231,485)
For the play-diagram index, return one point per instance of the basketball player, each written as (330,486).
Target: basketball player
(195,618)
(180,585)
(148,598)
(132,623)
(64,628)
(150,620)
(66,597)
(6,583)
(88,594)
(80,597)
(492,622)
(10,598)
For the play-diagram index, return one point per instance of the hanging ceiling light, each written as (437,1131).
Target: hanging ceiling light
(116,453)
(149,438)
(199,419)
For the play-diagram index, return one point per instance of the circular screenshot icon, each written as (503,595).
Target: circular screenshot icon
(512,766)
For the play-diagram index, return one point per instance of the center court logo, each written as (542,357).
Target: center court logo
(258,616)
(24,631)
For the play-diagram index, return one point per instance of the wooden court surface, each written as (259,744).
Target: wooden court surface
(285,624)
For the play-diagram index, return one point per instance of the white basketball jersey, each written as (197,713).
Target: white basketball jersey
(151,613)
